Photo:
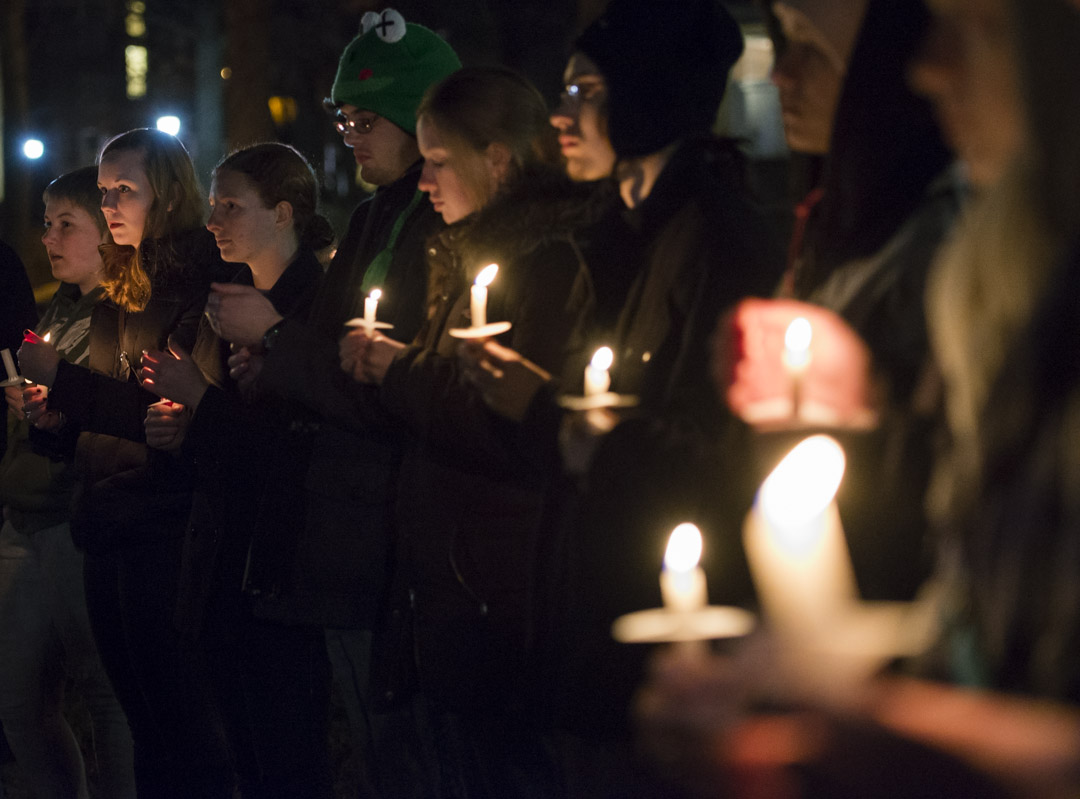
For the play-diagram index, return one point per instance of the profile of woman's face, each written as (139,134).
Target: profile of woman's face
(452,173)
(126,195)
(968,70)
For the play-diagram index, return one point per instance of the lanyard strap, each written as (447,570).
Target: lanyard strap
(377,270)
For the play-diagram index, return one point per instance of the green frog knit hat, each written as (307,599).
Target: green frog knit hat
(389,66)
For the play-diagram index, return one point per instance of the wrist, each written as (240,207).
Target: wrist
(271,334)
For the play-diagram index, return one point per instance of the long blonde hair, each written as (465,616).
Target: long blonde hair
(177,206)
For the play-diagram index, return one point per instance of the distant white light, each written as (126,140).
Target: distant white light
(33,148)
(169,124)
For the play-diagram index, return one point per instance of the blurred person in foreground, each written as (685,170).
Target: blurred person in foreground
(1002,717)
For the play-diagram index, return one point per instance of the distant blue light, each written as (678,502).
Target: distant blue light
(33,149)
(169,124)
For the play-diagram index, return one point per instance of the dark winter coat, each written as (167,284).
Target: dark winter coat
(250,461)
(127,493)
(470,503)
(338,565)
(704,245)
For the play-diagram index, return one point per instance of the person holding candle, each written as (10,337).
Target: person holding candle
(45,635)
(470,499)
(271,680)
(701,245)
(132,503)
(337,575)
(1009,534)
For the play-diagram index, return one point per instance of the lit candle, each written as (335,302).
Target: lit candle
(597,379)
(795,543)
(478,304)
(9,365)
(682,581)
(46,336)
(797,357)
(371,303)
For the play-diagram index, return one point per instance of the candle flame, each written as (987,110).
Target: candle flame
(804,483)
(683,549)
(602,358)
(47,336)
(375,294)
(798,335)
(487,274)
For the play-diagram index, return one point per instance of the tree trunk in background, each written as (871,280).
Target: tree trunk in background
(247,115)
(16,116)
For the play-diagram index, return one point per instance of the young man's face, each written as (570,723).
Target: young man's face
(581,119)
(382,150)
(809,77)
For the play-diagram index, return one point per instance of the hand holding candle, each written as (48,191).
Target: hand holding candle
(763,354)
(38,358)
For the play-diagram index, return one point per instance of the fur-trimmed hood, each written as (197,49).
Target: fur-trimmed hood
(538,207)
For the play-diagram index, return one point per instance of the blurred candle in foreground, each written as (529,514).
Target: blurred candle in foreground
(797,339)
(371,304)
(682,581)
(9,365)
(597,379)
(478,304)
(795,543)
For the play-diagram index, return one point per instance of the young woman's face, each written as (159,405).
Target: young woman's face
(126,196)
(451,173)
(71,239)
(243,227)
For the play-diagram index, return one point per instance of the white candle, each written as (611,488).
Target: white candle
(597,379)
(682,581)
(478,304)
(371,303)
(797,357)
(9,365)
(795,543)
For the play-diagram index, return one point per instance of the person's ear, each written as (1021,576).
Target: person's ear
(283,215)
(174,198)
(497,158)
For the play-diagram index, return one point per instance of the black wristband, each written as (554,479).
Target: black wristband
(270,335)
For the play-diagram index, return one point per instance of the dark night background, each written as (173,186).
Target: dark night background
(64,80)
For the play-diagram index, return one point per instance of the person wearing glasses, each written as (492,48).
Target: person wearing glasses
(337,576)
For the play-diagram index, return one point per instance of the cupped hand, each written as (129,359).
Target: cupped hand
(171,374)
(580,434)
(240,314)
(38,360)
(245,364)
(367,356)
(507,380)
(838,385)
(166,424)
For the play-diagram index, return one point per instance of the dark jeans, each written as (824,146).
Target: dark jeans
(180,750)
(272,683)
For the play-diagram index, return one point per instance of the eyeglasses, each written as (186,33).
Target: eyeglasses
(575,94)
(362,126)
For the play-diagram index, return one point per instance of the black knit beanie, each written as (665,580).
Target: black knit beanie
(666,64)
